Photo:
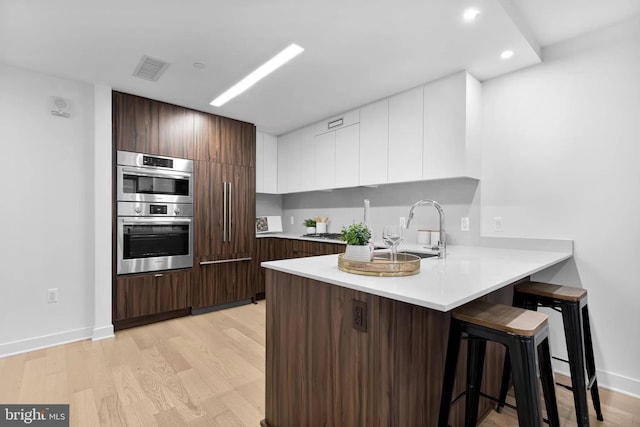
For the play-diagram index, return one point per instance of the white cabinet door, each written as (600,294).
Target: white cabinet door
(451,115)
(325,161)
(270,164)
(405,136)
(259,162)
(374,141)
(348,156)
(283,163)
(307,158)
(294,169)
(444,127)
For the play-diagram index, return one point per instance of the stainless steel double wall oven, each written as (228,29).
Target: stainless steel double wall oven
(155,213)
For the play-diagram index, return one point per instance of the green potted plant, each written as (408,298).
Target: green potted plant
(357,237)
(311,225)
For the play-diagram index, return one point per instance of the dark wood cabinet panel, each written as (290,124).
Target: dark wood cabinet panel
(223,283)
(135,125)
(237,143)
(224,230)
(320,370)
(207,137)
(153,293)
(305,248)
(223,151)
(269,249)
(175,130)
(273,248)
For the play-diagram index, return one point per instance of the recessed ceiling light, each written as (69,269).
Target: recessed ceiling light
(198,65)
(471,14)
(506,54)
(261,72)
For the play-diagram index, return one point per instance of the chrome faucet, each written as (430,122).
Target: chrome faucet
(442,243)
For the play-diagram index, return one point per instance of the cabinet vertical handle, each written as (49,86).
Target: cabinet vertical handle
(224,211)
(230,211)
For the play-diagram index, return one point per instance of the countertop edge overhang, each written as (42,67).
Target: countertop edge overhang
(468,273)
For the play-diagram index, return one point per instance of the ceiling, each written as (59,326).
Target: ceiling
(356,51)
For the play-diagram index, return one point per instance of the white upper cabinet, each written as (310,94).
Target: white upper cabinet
(374,143)
(283,163)
(348,156)
(307,158)
(270,164)
(430,132)
(325,161)
(451,115)
(405,136)
(289,163)
(266,163)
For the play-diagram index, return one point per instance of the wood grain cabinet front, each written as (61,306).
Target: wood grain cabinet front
(223,282)
(148,294)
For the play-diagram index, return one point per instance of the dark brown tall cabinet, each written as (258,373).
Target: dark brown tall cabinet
(224,152)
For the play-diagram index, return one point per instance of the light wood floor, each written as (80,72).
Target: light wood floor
(205,370)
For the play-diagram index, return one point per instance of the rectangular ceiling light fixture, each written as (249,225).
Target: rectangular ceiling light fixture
(261,72)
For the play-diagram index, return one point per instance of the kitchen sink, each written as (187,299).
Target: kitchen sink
(419,254)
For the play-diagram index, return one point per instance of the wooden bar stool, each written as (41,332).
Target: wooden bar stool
(523,332)
(572,302)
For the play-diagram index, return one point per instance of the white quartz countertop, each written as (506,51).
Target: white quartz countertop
(467,273)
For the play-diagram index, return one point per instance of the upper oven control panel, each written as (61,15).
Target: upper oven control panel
(154,209)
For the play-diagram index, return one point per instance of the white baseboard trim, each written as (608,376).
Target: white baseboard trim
(102,333)
(610,381)
(45,341)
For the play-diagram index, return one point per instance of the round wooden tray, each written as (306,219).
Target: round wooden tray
(382,266)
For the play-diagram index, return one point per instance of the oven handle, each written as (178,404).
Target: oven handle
(146,172)
(153,220)
(222,261)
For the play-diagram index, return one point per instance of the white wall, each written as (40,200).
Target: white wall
(47,213)
(561,153)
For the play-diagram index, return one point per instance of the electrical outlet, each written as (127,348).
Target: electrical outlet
(403,222)
(292,220)
(52,295)
(360,315)
(498,223)
(464,223)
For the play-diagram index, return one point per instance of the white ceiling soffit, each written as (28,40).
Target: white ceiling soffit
(355,52)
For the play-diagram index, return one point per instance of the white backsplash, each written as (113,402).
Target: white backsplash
(459,198)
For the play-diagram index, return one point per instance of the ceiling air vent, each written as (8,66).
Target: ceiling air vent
(150,68)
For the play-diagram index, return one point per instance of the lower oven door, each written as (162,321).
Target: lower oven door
(152,244)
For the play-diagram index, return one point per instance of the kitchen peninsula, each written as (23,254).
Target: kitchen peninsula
(345,349)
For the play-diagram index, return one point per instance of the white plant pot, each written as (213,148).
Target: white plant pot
(311,230)
(359,253)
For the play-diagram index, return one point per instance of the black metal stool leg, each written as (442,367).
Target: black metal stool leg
(571,317)
(475,364)
(548,384)
(591,364)
(525,382)
(451,361)
(504,386)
